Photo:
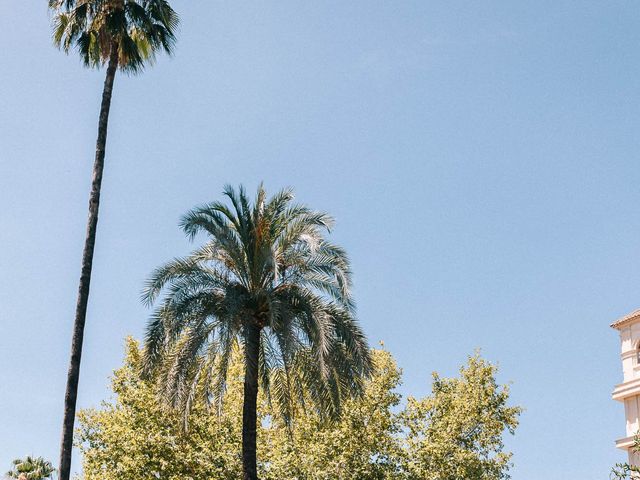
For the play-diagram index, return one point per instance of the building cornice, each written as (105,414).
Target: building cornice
(626,390)
(626,320)
(625,443)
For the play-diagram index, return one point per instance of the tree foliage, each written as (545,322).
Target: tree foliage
(135,436)
(457,432)
(31,468)
(625,471)
(136,29)
(454,433)
(363,444)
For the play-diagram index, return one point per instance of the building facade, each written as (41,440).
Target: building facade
(628,392)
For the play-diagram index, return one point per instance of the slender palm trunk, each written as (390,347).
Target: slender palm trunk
(73,375)
(250,403)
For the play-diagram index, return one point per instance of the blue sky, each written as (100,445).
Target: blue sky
(480,158)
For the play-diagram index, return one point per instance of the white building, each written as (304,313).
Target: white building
(628,392)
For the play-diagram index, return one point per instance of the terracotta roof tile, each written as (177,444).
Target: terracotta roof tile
(635,315)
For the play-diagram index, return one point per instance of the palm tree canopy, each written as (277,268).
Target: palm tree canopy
(137,28)
(31,468)
(266,264)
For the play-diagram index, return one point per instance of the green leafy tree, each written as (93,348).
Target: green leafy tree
(135,436)
(31,468)
(268,279)
(364,444)
(125,35)
(457,432)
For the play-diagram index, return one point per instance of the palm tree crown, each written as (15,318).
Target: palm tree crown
(266,267)
(136,28)
(31,468)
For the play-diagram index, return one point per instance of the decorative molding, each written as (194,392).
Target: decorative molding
(626,390)
(625,443)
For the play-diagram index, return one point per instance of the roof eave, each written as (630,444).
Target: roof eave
(627,319)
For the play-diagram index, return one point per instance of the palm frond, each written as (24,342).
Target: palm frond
(137,28)
(266,263)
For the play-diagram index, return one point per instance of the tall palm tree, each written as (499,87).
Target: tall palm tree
(269,281)
(31,468)
(125,35)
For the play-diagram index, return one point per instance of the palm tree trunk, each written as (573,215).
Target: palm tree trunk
(250,402)
(73,374)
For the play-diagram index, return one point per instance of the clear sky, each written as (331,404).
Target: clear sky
(481,160)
